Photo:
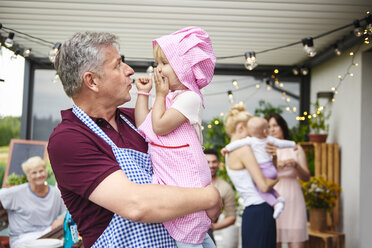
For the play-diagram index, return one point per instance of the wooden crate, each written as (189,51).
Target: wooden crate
(327,164)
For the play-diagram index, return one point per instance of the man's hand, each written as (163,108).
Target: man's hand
(144,84)
(214,212)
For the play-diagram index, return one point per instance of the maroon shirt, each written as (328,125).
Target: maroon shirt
(81,160)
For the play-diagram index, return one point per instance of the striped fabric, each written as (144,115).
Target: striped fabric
(185,167)
(137,167)
(190,53)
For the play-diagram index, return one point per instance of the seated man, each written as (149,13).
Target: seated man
(33,207)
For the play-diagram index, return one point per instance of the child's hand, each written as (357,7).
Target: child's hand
(295,148)
(144,84)
(161,85)
(224,151)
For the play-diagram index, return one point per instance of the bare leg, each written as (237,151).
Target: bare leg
(296,245)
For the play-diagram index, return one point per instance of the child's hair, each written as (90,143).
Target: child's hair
(234,116)
(257,126)
(158,52)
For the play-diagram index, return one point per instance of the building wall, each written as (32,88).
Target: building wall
(347,127)
(366,154)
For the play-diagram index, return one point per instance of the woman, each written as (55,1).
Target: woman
(291,164)
(258,224)
(33,207)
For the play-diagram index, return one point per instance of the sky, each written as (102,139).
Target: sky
(11,90)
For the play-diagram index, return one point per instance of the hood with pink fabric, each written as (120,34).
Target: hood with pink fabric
(189,52)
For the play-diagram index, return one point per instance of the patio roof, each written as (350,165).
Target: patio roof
(234,26)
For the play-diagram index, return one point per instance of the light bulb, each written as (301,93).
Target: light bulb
(250,67)
(27,52)
(9,41)
(53,53)
(358,30)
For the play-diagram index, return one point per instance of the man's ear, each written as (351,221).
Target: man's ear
(90,81)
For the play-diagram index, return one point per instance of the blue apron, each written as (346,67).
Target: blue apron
(137,167)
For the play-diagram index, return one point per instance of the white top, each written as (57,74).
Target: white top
(28,212)
(258,146)
(190,105)
(243,183)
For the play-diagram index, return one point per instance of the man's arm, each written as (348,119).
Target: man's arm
(151,202)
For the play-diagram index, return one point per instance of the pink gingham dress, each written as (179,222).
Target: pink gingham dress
(178,160)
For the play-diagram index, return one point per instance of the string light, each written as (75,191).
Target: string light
(276,71)
(52,53)
(14,56)
(337,50)
(27,52)
(9,42)
(309,46)
(56,78)
(358,30)
(235,84)
(250,61)
(295,71)
(304,71)
(231,97)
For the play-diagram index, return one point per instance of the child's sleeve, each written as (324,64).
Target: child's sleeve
(282,143)
(189,104)
(238,143)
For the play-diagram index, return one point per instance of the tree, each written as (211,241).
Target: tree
(266,108)
(10,128)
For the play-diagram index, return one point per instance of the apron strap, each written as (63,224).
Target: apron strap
(91,124)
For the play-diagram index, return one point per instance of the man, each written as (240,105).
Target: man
(226,192)
(100,160)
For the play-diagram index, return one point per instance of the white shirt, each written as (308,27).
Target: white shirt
(189,104)
(258,146)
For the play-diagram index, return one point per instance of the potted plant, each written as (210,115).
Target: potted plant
(320,197)
(318,123)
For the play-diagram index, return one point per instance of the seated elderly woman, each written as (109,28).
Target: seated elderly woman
(34,208)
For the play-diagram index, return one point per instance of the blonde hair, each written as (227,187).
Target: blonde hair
(33,163)
(158,52)
(237,114)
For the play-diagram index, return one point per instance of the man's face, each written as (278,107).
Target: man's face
(115,81)
(213,163)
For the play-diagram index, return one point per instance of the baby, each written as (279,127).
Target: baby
(258,129)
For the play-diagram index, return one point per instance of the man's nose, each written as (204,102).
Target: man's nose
(128,71)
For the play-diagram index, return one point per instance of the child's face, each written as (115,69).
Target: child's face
(166,71)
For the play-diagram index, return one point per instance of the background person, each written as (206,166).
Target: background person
(34,208)
(257,140)
(226,192)
(292,223)
(99,159)
(258,224)
(172,127)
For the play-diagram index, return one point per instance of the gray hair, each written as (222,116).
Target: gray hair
(32,163)
(80,54)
